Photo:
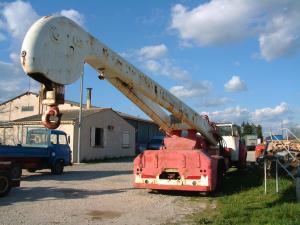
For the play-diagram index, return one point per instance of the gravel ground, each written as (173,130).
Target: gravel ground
(99,193)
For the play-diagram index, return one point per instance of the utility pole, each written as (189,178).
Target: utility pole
(79,120)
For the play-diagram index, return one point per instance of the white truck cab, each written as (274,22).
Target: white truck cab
(231,137)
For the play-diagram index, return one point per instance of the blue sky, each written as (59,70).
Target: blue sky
(235,60)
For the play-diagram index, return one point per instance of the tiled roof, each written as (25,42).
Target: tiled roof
(67,115)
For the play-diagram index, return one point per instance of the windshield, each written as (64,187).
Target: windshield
(225,130)
(37,137)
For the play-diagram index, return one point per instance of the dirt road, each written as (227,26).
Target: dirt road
(99,193)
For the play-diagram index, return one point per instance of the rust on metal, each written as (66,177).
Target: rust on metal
(53,111)
(23,55)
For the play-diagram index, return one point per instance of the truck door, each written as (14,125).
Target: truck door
(64,148)
(55,153)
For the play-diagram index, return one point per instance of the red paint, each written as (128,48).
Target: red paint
(187,155)
(259,150)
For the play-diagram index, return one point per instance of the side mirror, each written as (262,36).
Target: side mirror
(69,139)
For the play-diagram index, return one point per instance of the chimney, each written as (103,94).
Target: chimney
(89,98)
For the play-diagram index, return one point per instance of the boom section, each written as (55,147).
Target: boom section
(54,52)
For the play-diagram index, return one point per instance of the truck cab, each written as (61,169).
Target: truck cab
(55,141)
(231,137)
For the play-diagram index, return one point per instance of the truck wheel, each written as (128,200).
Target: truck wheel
(242,164)
(16,171)
(220,175)
(58,168)
(4,184)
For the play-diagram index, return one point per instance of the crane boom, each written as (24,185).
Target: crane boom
(54,52)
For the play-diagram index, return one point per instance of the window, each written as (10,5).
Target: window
(37,137)
(97,137)
(27,108)
(62,139)
(235,131)
(125,141)
(225,130)
(53,139)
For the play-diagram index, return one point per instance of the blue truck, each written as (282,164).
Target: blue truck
(43,149)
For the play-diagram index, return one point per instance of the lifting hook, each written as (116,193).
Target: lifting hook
(52,111)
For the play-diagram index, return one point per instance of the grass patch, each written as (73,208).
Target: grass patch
(242,201)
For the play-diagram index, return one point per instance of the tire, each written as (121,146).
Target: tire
(242,164)
(16,171)
(31,170)
(58,168)
(4,184)
(220,175)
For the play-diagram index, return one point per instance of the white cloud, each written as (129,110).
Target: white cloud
(192,90)
(73,15)
(215,22)
(153,65)
(213,102)
(276,24)
(269,118)
(165,67)
(231,114)
(153,51)
(155,60)
(235,84)
(19,16)
(181,91)
(281,38)
(270,113)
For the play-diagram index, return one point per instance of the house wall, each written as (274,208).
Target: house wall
(12,110)
(8,136)
(112,138)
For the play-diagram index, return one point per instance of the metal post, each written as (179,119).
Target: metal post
(277,176)
(298,185)
(79,120)
(265,171)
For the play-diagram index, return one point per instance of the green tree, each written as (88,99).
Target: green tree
(259,131)
(247,129)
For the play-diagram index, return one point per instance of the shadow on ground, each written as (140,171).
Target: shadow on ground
(110,160)
(74,175)
(32,194)
(236,180)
